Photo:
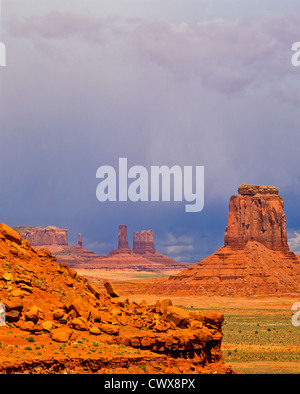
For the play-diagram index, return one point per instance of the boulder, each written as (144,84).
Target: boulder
(178,316)
(10,234)
(164,305)
(94,290)
(7,276)
(94,330)
(12,316)
(79,323)
(109,329)
(47,325)
(111,290)
(32,314)
(13,304)
(61,334)
(79,306)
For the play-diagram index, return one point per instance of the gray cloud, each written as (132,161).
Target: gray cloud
(227,55)
(82,89)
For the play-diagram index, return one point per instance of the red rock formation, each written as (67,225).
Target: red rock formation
(255,259)
(122,242)
(256,214)
(142,258)
(143,243)
(146,242)
(38,236)
(123,237)
(136,242)
(56,240)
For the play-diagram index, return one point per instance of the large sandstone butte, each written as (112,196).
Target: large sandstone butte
(123,237)
(58,322)
(255,258)
(256,214)
(143,242)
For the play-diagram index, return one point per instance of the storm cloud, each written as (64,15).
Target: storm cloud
(88,83)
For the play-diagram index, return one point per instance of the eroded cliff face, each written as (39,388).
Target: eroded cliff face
(256,214)
(143,242)
(38,236)
(255,258)
(123,237)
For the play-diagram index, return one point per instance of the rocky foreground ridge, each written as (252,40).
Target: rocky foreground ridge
(58,322)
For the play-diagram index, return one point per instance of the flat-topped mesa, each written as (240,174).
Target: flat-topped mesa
(256,214)
(38,236)
(252,190)
(143,242)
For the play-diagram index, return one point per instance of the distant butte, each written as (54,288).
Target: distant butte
(143,256)
(56,240)
(256,214)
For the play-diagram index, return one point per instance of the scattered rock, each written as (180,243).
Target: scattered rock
(13,304)
(32,314)
(111,290)
(47,325)
(10,234)
(12,316)
(61,334)
(94,290)
(109,329)
(94,330)
(7,276)
(79,323)
(177,315)
(18,293)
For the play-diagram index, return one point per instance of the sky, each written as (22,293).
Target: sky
(159,82)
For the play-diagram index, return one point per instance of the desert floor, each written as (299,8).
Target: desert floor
(259,336)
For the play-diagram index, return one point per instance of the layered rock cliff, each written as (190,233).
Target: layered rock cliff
(143,242)
(56,240)
(255,258)
(256,214)
(44,236)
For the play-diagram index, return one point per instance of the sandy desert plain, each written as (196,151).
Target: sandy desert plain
(258,334)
